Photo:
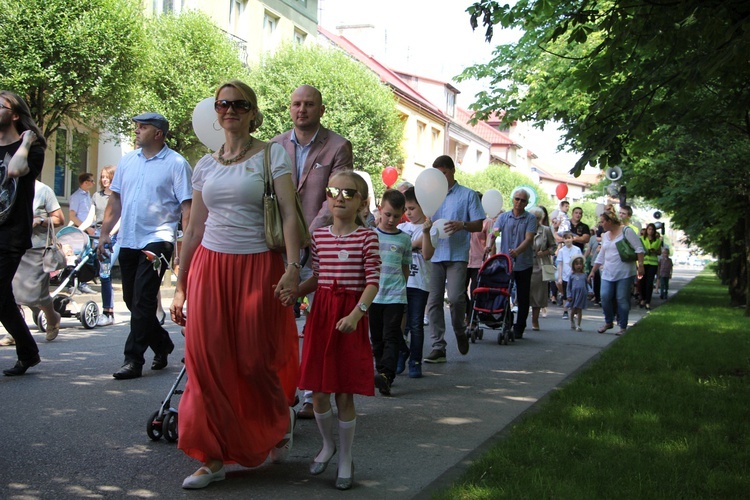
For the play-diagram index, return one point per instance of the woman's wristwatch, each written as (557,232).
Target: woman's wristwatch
(295,264)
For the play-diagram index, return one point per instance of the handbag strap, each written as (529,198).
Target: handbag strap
(51,236)
(268,180)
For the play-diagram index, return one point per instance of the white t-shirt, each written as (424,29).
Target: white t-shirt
(233,195)
(613,268)
(421,269)
(564,257)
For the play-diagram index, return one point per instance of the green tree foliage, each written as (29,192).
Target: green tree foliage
(358,106)
(72,60)
(188,58)
(659,88)
(612,71)
(501,178)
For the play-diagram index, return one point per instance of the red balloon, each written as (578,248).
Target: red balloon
(561,191)
(389,175)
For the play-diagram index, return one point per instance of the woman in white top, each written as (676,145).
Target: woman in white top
(617,276)
(99,202)
(241,345)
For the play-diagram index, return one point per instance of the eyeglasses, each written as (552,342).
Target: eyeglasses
(347,193)
(240,106)
(520,200)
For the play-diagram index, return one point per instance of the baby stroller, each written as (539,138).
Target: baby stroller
(491,302)
(82,267)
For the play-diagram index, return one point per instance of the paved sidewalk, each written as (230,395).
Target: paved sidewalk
(71,431)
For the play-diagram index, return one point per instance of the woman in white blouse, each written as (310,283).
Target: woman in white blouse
(617,276)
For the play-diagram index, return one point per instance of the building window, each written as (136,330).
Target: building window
(421,143)
(299,36)
(236,8)
(436,145)
(167,6)
(270,31)
(71,159)
(450,104)
(479,158)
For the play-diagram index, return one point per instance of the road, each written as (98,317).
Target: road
(69,430)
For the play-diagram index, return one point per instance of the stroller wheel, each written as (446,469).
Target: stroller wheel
(508,328)
(89,315)
(169,427)
(480,333)
(473,335)
(41,321)
(154,426)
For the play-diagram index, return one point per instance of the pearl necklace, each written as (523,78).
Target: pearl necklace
(228,161)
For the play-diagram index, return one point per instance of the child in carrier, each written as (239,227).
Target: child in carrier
(336,353)
(577,293)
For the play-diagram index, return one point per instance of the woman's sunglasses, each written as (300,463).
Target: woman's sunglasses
(240,106)
(347,193)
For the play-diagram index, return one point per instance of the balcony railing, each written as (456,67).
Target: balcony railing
(240,45)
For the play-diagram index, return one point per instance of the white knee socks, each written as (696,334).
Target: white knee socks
(346,439)
(325,426)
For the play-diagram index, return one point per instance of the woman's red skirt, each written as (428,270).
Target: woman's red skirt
(242,359)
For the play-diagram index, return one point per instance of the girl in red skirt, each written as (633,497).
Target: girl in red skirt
(336,353)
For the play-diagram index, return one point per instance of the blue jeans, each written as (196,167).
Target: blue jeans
(620,291)
(415,307)
(108,303)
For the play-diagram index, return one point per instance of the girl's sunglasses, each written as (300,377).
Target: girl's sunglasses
(347,193)
(240,106)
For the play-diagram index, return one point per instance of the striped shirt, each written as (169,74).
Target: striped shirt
(351,261)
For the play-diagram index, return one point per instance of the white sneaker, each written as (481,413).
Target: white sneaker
(84,288)
(7,340)
(105,320)
(426,321)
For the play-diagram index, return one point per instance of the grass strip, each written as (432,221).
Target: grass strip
(663,413)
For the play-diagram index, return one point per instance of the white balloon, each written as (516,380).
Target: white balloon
(599,209)
(440,226)
(431,187)
(492,202)
(205,124)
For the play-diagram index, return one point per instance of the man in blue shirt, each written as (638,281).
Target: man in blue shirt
(517,228)
(464,214)
(151,187)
